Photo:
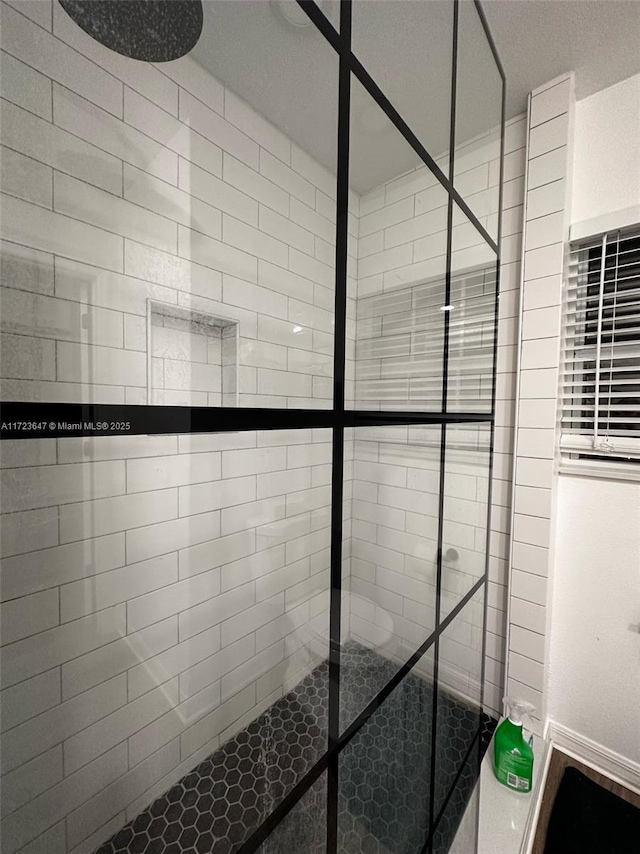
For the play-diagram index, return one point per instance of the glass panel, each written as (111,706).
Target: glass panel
(457,829)
(384,776)
(401,251)
(391,574)
(464,523)
(459,687)
(305,827)
(407,49)
(193,236)
(471,319)
(192,575)
(478,120)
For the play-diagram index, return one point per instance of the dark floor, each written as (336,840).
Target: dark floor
(384,774)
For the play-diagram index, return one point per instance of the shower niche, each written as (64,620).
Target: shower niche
(192,357)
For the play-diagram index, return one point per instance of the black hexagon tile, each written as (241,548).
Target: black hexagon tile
(216,807)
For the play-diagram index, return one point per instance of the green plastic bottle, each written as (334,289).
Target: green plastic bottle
(513,756)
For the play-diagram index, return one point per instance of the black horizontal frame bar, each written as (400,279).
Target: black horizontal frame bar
(300,789)
(19,420)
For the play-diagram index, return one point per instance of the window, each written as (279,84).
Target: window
(601,370)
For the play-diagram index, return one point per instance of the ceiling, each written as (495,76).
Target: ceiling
(262,50)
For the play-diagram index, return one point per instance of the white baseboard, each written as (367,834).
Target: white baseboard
(600,758)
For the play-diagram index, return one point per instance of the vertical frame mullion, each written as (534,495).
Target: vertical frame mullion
(337,477)
(443,429)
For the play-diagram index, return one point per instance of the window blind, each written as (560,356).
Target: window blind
(600,381)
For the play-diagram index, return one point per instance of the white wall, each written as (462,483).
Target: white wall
(594,666)
(606,165)
(594,671)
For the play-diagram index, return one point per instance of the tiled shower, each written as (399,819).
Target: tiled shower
(249,305)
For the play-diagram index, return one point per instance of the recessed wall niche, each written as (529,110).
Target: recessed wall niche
(192,357)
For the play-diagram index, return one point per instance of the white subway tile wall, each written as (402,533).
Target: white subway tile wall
(159,592)
(546,231)
(398,361)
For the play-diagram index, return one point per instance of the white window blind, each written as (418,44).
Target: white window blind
(601,365)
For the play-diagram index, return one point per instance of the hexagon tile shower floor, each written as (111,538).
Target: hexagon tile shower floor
(384,773)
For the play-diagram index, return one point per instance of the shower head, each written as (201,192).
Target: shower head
(149,30)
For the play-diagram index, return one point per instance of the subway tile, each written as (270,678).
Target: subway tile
(142,76)
(214,128)
(387,216)
(171,471)
(307,166)
(88,122)
(545,200)
(536,443)
(246,119)
(534,472)
(542,262)
(251,567)
(41,486)
(114,728)
(96,518)
(53,58)
(17,453)
(282,281)
(254,185)
(252,618)
(27,358)
(253,461)
(112,659)
(548,136)
(214,553)
(27,782)
(28,573)
(213,611)
(26,269)
(550,103)
(220,194)
(30,698)
(40,652)
(548,167)
(172,662)
(253,297)
(26,178)
(215,722)
(540,382)
(153,736)
(531,588)
(91,205)
(51,806)
(101,365)
(214,495)
(530,558)
(531,530)
(214,667)
(542,293)
(544,231)
(172,599)
(171,536)
(38,315)
(171,133)
(539,353)
(541,323)
(29,615)
(110,588)
(47,144)
(25,87)
(114,798)
(286,230)
(537,413)
(528,616)
(190,75)
(171,202)
(526,671)
(212,253)
(34,226)
(239,234)
(76,450)
(275,170)
(42,732)
(527,643)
